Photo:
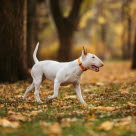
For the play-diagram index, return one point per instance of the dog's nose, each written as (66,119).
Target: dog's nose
(102,65)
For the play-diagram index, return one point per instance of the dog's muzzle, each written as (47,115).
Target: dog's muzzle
(95,68)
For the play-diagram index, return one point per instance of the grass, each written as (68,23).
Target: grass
(65,116)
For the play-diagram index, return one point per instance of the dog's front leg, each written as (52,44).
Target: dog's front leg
(79,94)
(56,90)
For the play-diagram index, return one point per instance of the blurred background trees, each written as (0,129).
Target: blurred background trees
(106,27)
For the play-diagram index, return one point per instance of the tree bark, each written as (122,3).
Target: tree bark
(65,38)
(31,31)
(13,65)
(134,55)
(65,27)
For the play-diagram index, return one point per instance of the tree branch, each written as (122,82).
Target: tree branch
(74,13)
(56,12)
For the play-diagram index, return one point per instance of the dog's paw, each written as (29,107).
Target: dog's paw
(23,97)
(84,105)
(48,99)
(40,102)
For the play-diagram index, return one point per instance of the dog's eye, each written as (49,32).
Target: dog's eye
(93,57)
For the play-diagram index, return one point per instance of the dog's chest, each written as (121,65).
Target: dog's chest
(68,76)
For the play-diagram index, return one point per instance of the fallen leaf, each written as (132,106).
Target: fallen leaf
(100,84)
(86,90)
(14,116)
(70,97)
(125,92)
(6,123)
(124,86)
(69,120)
(45,124)
(27,106)
(33,113)
(18,116)
(124,122)
(55,129)
(107,125)
(104,108)
(97,102)
(91,116)
(130,104)
(1,106)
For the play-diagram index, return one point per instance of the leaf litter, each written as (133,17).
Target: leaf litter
(110,94)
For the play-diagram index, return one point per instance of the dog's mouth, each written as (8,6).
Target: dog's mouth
(95,68)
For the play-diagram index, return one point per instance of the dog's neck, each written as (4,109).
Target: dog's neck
(79,70)
(81,65)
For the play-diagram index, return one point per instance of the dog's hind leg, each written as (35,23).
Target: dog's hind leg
(37,89)
(28,90)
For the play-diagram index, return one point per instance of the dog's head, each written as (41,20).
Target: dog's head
(91,61)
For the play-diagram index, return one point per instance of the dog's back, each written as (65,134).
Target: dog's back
(48,68)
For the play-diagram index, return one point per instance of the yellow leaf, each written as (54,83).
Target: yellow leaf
(1,106)
(91,116)
(27,105)
(33,113)
(55,129)
(107,125)
(86,90)
(124,122)
(130,104)
(70,97)
(16,116)
(104,108)
(124,92)
(6,123)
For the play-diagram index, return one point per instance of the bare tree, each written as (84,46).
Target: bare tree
(66,26)
(13,65)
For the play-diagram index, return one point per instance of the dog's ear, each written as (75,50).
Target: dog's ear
(84,52)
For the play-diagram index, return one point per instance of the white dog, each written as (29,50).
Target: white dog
(62,73)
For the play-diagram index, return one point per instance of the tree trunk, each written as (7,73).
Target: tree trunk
(66,26)
(134,55)
(127,45)
(13,65)
(31,31)
(65,38)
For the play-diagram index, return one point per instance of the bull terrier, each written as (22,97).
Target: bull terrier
(62,73)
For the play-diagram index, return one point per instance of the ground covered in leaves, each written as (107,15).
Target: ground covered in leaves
(110,94)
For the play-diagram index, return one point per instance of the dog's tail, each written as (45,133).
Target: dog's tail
(35,52)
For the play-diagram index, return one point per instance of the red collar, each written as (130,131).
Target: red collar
(81,66)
